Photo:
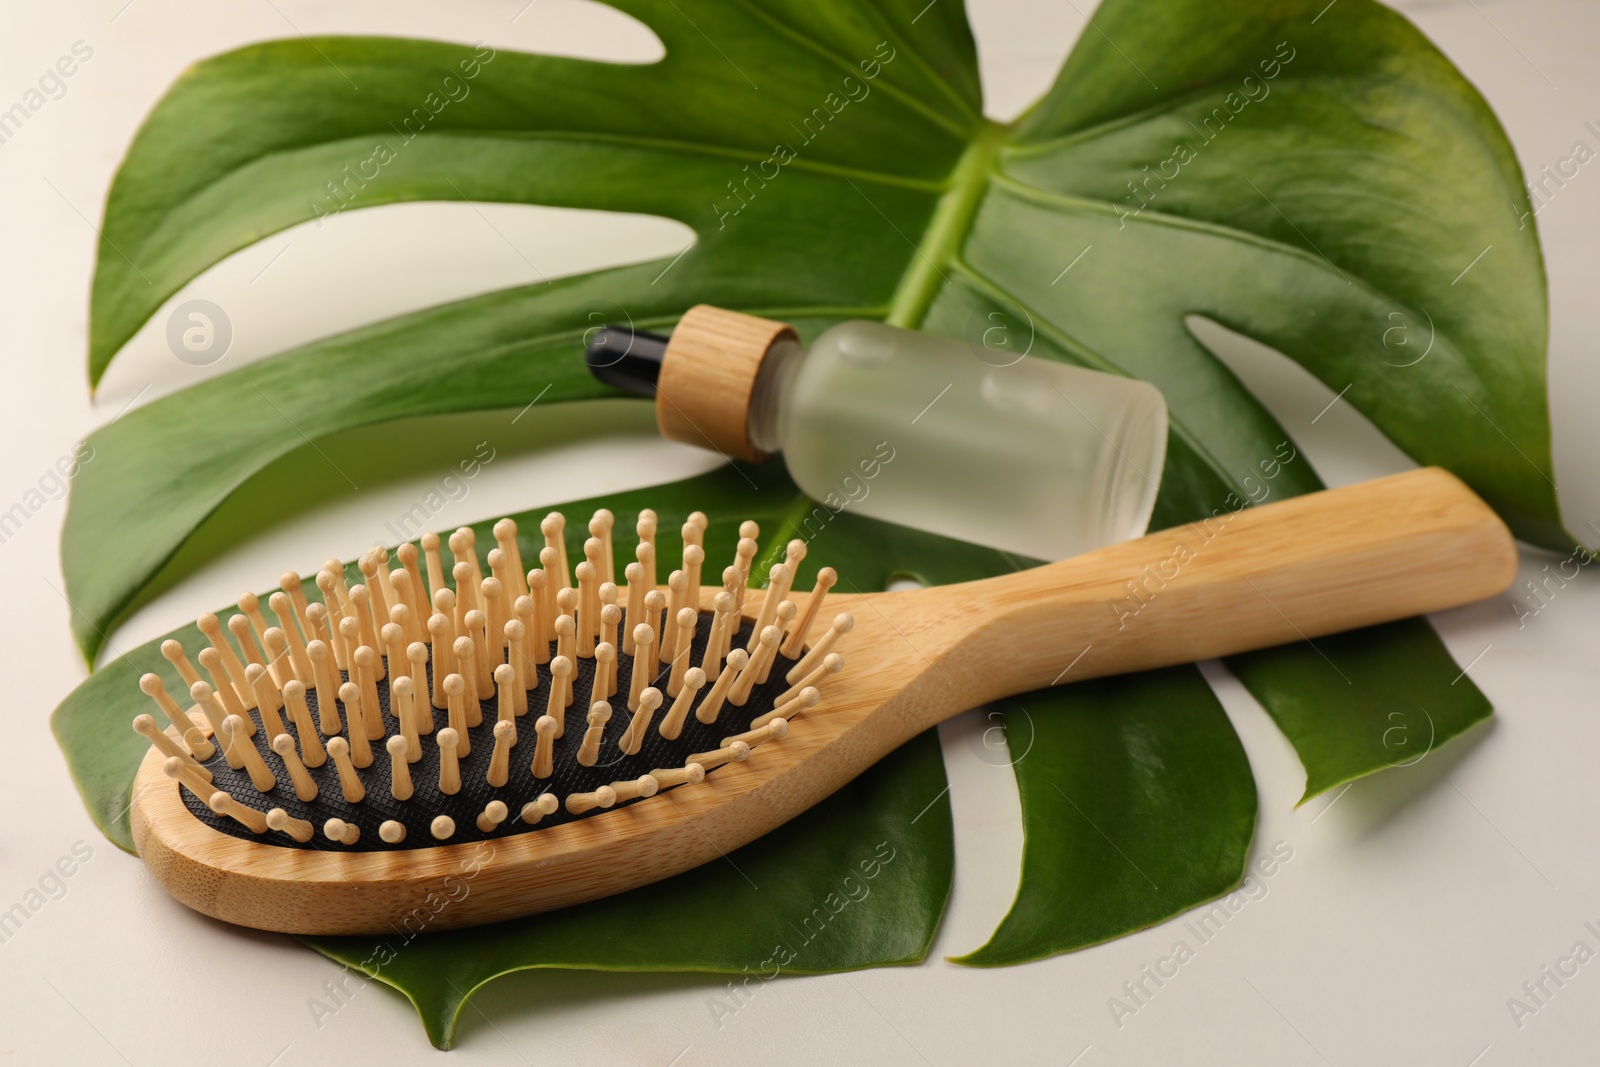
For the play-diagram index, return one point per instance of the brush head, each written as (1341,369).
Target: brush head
(426,803)
(401,714)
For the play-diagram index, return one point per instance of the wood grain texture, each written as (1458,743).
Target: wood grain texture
(708,378)
(1290,571)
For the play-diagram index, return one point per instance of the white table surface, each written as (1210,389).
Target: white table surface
(1415,905)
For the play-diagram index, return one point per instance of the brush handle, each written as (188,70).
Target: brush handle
(1291,571)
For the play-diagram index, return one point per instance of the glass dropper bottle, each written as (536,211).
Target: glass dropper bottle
(1035,457)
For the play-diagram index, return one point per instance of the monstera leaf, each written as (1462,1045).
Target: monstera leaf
(1315,176)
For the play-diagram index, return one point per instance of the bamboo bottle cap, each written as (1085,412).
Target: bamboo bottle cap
(708,378)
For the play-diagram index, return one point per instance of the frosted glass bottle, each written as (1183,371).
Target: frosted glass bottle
(1033,457)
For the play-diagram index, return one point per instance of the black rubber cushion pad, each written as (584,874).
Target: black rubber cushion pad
(426,803)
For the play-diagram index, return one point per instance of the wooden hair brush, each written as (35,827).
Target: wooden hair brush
(559,740)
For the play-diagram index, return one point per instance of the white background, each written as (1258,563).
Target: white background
(1416,903)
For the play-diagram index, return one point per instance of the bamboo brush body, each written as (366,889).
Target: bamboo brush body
(1290,571)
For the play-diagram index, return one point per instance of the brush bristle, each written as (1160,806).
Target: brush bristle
(377,765)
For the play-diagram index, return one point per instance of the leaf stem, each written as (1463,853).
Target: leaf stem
(948,226)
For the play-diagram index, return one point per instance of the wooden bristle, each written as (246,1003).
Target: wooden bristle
(231,664)
(221,684)
(561,671)
(549,586)
(283,608)
(578,803)
(349,779)
(359,744)
(299,829)
(366,626)
(477,624)
(505,703)
(832,663)
(672,723)
(711,706)
(744,559)
(737,752)
(644,657)
(341,833)
(336,614)
(771,730)
(239,627)
(645,551)
(633,737)
(843,623)
(251,819)
(643,786)
(200,692)
(499,612)
(667,635)
(605,663)
(145,726)
(455,688)
(804,700)
(722,623)
(505,736)
(444,660)
(785,616)
(443,828)
(777,589)
(391,832)
(305,787)
(766,647)
(589,750)
(294,699)
(192,735)
(393,636)
(317,619)
(554,529)
(326,678)
(682,648)
(200,785)
(400,786)
(543,765)
(267,696)
(600,527)
(175,655)
(588,606)
(416,589)
(245,749)
(826,578)
(277,649)
(566,630)
(536,809)
(525,671)
(250,605)
(493,814)
(403,702)
(449,742)
(690,774)
(422,700)
(466,653)
(464,547)
(635,605)
(505,535)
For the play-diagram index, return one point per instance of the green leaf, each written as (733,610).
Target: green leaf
(1349,209)
(1298,219)
(1137,803)
(858,881)
(1360,702)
